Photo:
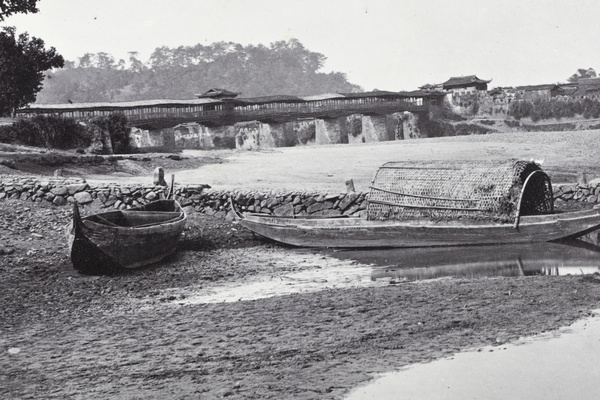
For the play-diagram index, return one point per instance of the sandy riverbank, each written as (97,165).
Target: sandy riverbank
(66,335)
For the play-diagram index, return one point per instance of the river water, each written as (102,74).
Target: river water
(563,364)
(338,269)
(580,256)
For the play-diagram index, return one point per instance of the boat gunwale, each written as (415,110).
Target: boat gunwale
(528,220)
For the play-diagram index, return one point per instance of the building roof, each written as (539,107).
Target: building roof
(547,86)
(588,81)
(218,93)
(464,80)
(586,90)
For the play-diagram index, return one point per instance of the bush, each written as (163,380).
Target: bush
(540,109)
(46,131)
(67,133)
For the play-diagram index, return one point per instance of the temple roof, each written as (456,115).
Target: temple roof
(217,93)
(463,80)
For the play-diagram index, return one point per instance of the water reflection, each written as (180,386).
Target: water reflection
(575,257)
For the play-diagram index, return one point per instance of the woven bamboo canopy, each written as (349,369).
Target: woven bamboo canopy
(451,190)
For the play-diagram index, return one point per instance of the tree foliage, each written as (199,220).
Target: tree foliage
(46,131)
(67,133)
(10,7)
(582,73)
(283,67)
(23,61)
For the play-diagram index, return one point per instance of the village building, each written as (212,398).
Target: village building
(587,88)
(532,92)
(465,84)
(216,93)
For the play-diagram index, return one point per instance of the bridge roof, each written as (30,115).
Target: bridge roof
(374,93)
(324,96)
(423,93)
(117,105)
(269,99)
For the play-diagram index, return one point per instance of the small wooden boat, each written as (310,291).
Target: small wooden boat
(440,204)
(125,238)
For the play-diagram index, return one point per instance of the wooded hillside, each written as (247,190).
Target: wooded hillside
(284,67)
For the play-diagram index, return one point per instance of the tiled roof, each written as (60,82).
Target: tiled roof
(270,99)
(588,81)
(216,92)
(125,104)
(548,86)
(464,80)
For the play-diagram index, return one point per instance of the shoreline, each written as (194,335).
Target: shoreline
(89,337)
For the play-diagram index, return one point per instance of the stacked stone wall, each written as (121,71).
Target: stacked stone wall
(60,192)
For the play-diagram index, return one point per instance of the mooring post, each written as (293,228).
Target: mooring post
(159,177)
(350,186)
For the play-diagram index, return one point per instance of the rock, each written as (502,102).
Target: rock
(151,196)
(59,201)
(317,207)
(72,189)
(230,216)
(5,250)
(347,201)
(309,202)
(273,202)
(285,210)
(83,197)
(59,191)
(112,199)
(594,182)
(567,189)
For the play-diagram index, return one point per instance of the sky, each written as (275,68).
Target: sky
(379,44)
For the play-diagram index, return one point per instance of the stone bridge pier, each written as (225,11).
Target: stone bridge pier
(251,135)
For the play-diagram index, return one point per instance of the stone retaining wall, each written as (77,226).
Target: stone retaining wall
(60,192)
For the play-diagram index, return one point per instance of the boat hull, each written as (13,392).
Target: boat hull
(96,247)
(359,233)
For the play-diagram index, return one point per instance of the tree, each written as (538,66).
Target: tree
(10,7)
(582,73)
(23,61)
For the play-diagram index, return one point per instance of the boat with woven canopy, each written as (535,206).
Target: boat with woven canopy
(440,203)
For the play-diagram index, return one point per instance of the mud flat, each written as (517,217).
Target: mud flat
(145,334)
(134,335)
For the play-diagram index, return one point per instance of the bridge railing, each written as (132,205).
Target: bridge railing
(230,113)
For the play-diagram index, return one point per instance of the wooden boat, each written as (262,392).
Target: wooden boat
(440,204)
(125,238)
